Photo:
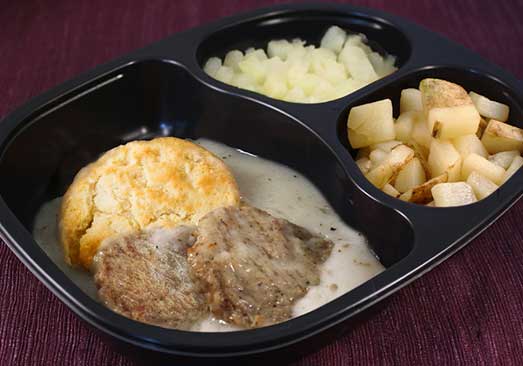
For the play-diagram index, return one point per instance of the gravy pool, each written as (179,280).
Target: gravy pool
(278,190)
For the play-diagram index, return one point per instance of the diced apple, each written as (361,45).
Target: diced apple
(513,168)
(468,144)
(449,110)
(504,158)
(254,67)
(370,123)
(410,100)
(232,58)
(386,146)
(489,108)
(212,65)
(474,162)
(382,65)
(224,74)
(453,194)
(410,176)
(444,157)
(422,193)
(364,164)
(334,39)
(481,186)
(357,63)
(390,190)
(500,136)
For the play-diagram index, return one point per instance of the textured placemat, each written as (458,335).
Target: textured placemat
(467,311)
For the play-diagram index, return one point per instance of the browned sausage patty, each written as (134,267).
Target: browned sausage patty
(145,276)
(253,266)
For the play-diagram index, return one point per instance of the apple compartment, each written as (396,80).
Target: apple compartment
(308,25)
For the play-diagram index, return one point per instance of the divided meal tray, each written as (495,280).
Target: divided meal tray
(162,90)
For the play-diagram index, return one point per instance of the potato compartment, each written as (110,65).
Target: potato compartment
(471,80)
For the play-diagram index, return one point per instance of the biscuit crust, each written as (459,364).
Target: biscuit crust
(163,182)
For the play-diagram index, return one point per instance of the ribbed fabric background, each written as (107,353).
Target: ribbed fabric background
(467,311)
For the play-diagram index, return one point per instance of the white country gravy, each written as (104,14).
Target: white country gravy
(282,192)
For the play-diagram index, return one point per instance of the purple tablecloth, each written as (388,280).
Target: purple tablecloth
(469,310)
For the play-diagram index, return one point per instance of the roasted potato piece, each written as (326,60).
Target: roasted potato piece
(390,190)
(364,164)
(370,123)
(404,125)
(500,136)
(489,108)
(481,127)
(513,168)
(410,176)
(504,158)
(410,100)
(453,194)
(387,169)
(481,186)
(469,144)
(444,157)
(422,194)
(488,169)
(449,110)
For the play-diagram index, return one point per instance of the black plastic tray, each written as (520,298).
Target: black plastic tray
(162,90)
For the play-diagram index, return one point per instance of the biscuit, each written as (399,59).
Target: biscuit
(163,182)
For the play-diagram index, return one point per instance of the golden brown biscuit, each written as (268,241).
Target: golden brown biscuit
(159,183)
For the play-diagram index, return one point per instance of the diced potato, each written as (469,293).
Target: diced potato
(296,71)
(474,162)
(334,39)
(453,194)
(390,190)
(513,168)
(224,74)
(489,108)
(404,125)
(420,133)
(380,175)
(469,144)
(323,91)
(481,127)
(363,153)
(410,100)
(308,83)
(377,156)
(212,65)
(296,95)
(387,169)
(279,48)
(357,63)
(410,176)
(244,81)
(500,136)
(504,158)
(481,186)
(422,193)
(364,164)
(449,110)
(370,123)
(232,58)
(452,122)
(256,52)
(444,157)
(386,146)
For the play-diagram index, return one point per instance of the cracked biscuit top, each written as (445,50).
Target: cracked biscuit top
(158,183)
